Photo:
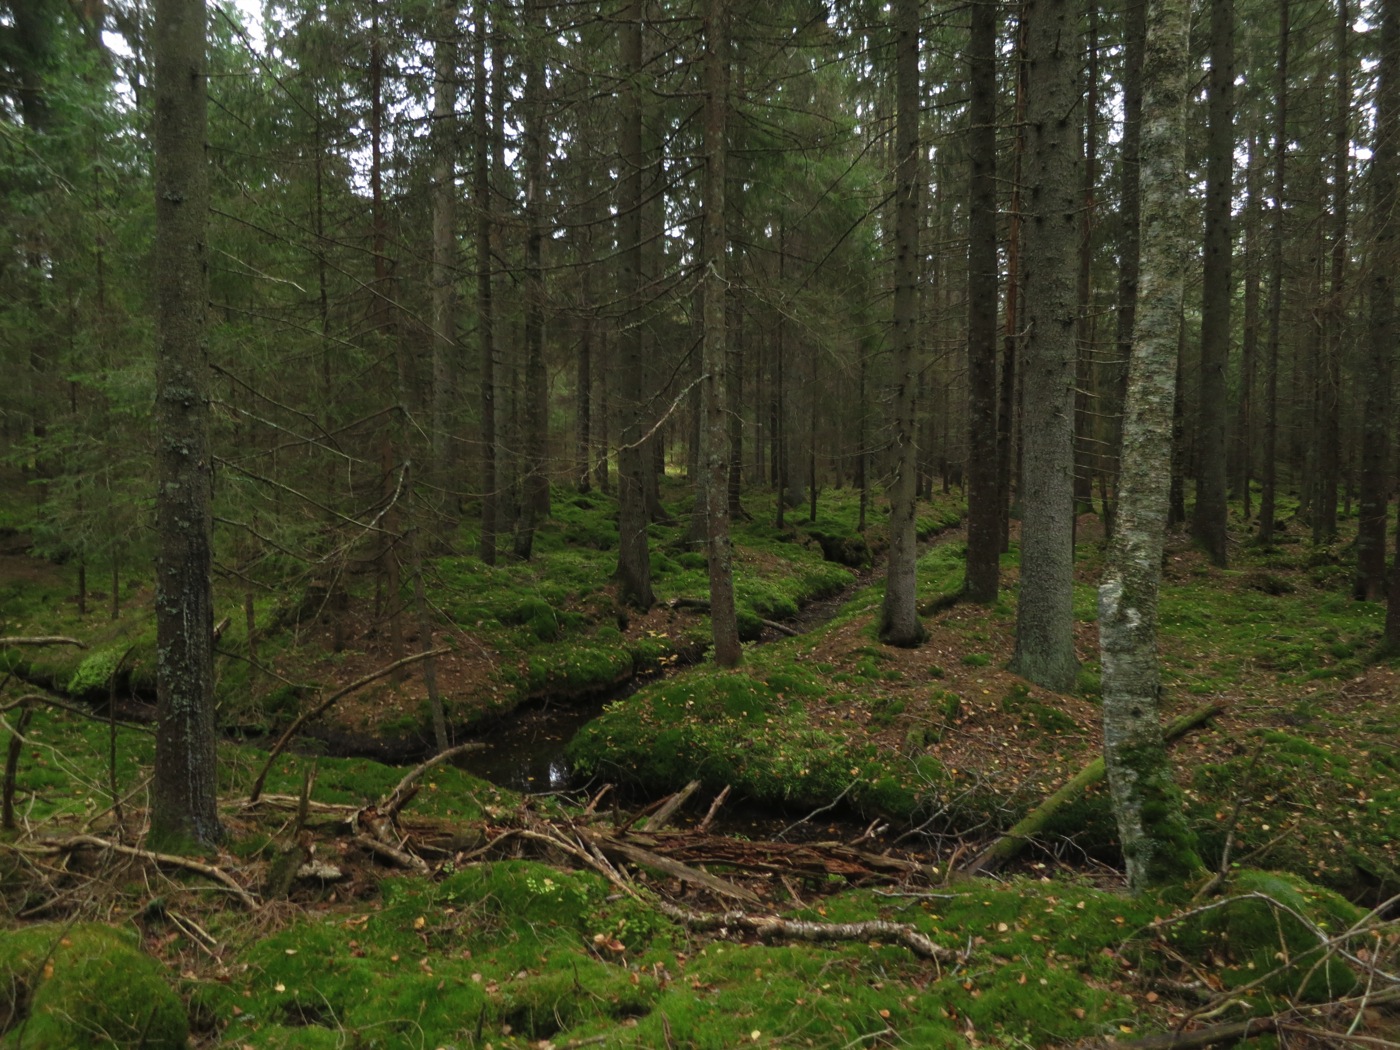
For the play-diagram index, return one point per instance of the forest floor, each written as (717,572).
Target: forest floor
(480,918)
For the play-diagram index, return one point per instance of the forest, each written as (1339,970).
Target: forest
(676,523)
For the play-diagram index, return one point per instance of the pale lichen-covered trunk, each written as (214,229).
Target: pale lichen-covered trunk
(184,794)
(1044,612)
(1155,842)
(900,617)
(715,435)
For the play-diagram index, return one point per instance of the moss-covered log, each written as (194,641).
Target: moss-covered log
(1010,845)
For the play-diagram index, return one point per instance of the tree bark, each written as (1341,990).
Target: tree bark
(443,470)
(1209,520)
(633,554)
(1044,620)
(184,794)
(716,436)
(981,581)
(1269,479)
(485,306)
(1385,173)
(1156,844)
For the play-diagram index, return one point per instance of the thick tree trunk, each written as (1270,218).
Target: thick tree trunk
(717,465)
(900,617)
(1045,620)
(1210,518)
(1152,830)
(184,796)
(983,513)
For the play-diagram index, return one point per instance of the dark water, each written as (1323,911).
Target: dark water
(525,751)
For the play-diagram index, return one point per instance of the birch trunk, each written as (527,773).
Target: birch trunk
(1155,842)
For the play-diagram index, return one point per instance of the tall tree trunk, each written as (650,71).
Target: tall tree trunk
(1249,343)
(899,621)
(443,472)
(1375,449)
(633,556)
(1085,401)
(534,497)
(1129,210)
(983,514)
(1267,495)
(1210,518)
(1156,843)
(485,306)
(184,796)
(1008,439)
(716,436)
(1045,616)
(1335,316)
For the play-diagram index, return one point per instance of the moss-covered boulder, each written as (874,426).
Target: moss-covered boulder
(86,985)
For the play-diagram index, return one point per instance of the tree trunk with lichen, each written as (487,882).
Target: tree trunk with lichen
(1155,840)
(184,795)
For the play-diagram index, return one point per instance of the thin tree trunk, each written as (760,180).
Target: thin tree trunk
(1371,582)
(1210,518)
(718,464)
(1267,496)
(485,306)
(1335,316)
(1134,43)
(633,558)
(1151,826)
(534,496)
(443,472)
(983,514)
(1249,343)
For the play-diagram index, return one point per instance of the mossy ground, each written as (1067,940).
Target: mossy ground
(1297,773)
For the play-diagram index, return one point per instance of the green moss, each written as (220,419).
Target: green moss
(85,985)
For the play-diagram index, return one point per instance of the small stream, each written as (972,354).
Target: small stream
(526,748)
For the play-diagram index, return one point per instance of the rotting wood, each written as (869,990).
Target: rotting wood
(325,705)
(630,851)
(668,807)
(401,858)
(770,926)
(1010,845)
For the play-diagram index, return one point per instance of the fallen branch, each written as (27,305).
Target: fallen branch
(399,797)
(676,869)
(168,860)
(402,858)
(47,639)
(325,705)
(1213,1035)
(770,926)
(667,809)
(1010,845)
(704,825)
